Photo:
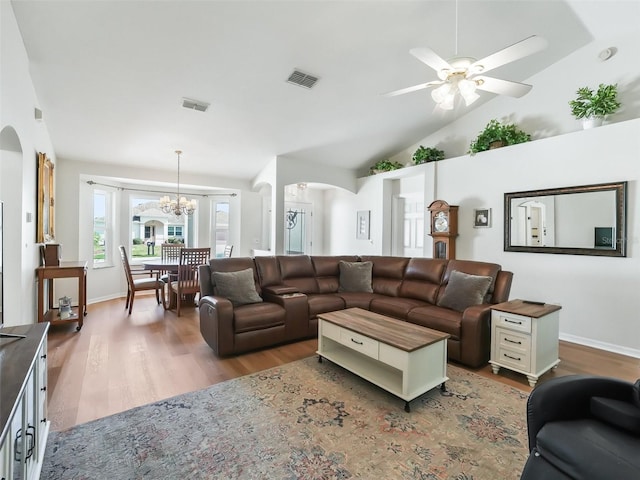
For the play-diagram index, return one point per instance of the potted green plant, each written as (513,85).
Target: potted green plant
(384,166)
(592,106)
(427,154)
(497,134)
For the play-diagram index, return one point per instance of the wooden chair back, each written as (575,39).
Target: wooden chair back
(126,266)
(170,251)
(187,282)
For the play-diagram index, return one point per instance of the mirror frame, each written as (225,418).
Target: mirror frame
(620,189)
(45,231)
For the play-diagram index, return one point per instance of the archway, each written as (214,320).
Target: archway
(11,156)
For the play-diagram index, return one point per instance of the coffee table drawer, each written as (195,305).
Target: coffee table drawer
(330,330)
(359,343)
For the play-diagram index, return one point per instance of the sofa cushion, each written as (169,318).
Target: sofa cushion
(388,273)
(257,316)
(464,290)
(355,277)
(297,271)
(238,287)
(438,318)
(327,270)
(618,413)
(322,303)
(588,448)
(422,279)
(357,299)
(396,307)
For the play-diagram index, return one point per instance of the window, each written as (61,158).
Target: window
(102,228)
(220,226)
(174,230)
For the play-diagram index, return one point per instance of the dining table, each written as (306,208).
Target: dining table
(167,265)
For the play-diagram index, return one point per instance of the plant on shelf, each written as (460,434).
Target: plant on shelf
(384,166)
(592,106)
(427,154)
(496,135)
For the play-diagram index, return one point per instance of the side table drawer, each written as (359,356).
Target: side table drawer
(513,322)
(514,359)
(510,340)
(359,343)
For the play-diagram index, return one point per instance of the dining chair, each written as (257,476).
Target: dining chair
(135,285)
(169,251)
(227,251)
(187,283)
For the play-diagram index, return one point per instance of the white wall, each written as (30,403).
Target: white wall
(18,171)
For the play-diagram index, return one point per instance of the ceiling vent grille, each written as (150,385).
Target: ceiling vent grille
(195,105)
(302,79)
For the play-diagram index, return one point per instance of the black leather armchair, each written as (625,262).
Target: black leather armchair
(584,427)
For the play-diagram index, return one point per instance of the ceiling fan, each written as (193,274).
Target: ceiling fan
(465,75)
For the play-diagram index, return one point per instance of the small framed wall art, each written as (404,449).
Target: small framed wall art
(362,229)
(481,217)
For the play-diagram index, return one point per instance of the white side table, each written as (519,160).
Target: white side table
(524,338)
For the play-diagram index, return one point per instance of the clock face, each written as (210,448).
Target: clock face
(441,222)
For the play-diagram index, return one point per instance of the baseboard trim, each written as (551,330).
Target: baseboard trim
(609,347)
(105,298)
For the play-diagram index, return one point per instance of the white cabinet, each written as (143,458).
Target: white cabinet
(23,402)
(524,338)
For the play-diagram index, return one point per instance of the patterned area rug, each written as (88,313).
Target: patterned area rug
(304,420)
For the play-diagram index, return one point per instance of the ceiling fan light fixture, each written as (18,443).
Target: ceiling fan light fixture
(448,101)
(441,93)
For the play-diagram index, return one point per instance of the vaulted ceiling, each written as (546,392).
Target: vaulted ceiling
(111,76)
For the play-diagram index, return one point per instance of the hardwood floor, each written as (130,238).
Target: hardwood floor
(117,362)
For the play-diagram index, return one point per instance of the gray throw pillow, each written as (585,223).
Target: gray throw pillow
(238,287)
(464,290)
(355,276)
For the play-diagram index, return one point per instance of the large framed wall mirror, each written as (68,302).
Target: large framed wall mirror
(584,220)
(45,231)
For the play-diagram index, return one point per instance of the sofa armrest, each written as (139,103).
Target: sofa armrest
(204,277)
(568,398)
(216,323)
(475,335)
(279,290)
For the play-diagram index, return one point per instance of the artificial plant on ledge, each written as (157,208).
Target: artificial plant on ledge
(497,134)
(384,166)
(427,154)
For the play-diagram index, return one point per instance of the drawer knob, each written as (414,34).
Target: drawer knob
(357,342)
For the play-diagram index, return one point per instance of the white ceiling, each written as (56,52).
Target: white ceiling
(110,75)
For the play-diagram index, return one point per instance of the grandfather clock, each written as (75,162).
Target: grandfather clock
(444,229)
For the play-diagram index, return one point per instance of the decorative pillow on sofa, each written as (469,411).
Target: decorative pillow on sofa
(238,287)
(355,276)
(464,290)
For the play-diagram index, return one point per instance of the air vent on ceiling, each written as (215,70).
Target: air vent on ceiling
(302,79)
(195,105)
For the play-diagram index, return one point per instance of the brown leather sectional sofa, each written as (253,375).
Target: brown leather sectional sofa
(295,289)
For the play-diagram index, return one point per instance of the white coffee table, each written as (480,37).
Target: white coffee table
(400,357)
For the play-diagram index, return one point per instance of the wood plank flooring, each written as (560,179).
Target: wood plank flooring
(117,362)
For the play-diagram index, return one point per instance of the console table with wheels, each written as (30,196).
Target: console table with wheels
(46,312)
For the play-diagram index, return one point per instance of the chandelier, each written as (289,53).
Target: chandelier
(179,205)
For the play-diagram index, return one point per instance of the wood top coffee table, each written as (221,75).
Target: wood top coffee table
(404,359)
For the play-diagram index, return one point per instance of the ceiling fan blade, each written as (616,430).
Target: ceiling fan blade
(509,54)
(412,89)
(431,58)
(502,87)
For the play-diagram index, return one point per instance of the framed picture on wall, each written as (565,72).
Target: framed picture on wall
(362,222)
(481,217)
(45,225)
